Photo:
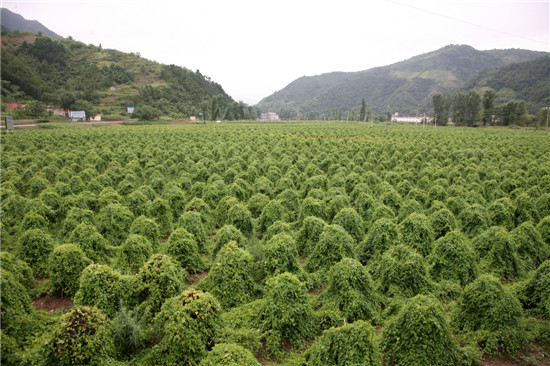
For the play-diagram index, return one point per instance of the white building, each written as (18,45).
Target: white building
(269,116)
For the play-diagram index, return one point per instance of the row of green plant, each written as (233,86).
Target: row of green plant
(301,244)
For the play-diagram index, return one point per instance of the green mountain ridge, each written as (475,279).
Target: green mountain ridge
(14,22)
(407,86)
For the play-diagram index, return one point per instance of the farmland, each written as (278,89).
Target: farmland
(294,244)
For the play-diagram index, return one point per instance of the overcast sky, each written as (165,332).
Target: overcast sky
(256,47)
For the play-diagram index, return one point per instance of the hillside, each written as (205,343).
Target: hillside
(407,86)
(73,75)
(14,22)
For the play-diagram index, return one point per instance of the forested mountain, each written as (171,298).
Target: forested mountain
(14,22)
(406,86)
(76,76)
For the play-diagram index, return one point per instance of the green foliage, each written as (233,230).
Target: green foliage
(498,252)
(401,272)
(543,227)
(226,234)
(417,233)
(473,220)
(114,221)
(280,256)
(453,259)
(287,312)
(127,332)
(65,265)
(351,291)
(103,288)
(419,335)
(81,338)
(334,245)
(15,302)
(240,217)
(350,220)
(493,313)
(34,247)
(148,228)
(186,326)
(161,213)
(21,270)
(134,252)
(535,295)
(182,246)
(227,354)
(312,207)
(160,278)
(192,222)
(309,234)
(257,203)
(272,212)
(352,344)
(231,277)
(383,235)
(502,213)
(531,249)
(88,238)
(442,222)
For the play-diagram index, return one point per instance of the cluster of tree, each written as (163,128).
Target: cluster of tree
(78,77)
(469,109)
(205,246)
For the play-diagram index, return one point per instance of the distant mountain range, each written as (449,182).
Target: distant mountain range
(15,22)
(408,86)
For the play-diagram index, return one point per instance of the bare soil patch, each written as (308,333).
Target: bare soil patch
(52,303)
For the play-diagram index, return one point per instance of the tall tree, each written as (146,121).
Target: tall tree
(439,107)
(488,105)
(362,114)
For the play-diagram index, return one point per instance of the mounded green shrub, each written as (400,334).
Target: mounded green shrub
(128,334)
(160,278)
(417,233)
(192,222)
(33,220)
(543,227)
(162,214)
(408,207)
(138,203)
(16,305)
(453,259)
(286,311)
(227,354)
(55,210)
(186,326)
(502,213)
(257,203)
(351,344)
(231,277)
(535,294)
(531,249)
(442,222)
(498,253)
(21,270)
(134,252)
(34,247)
(542,205)
(280,255)
(222,210)
(311,206)
(65,265)
(473,220)
(493,314)
(278,227)
(81,338)
(272,212)
(334,245)
(226,234)
(75,217)
(148,228)
(351,291)
(104,288)
(309,234)
(383,235)
(88,238)
(336,203)
(401,272)
(114,221)
(419,335)
(182,246)
(350,220)
(290,199)
(240,217)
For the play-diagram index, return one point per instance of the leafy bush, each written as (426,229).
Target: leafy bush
(186,326)
(127,332)
(33,220)
(148,228)
(241,218)
(192,222)
(65,265)
(401,272)
(350,220)
(351,344)
(280,255)
(75,217)
(309,234)
(161,213)
(114,221)
(81,338)
(383,235)
(88,238)
(453,259)
(159,278)
(134,252)
(543,227)
(493,313)
(231,277)
(34,247)
(535,294)
(226,234)
(530,247)
(227,354)
(351,291)
(542,205)
(502,213)
(257,203)
(222,210)
(419,335)
(103,287)
(21,270)
(417,233)
(334,245)
(498,253)
(312,207)
(182,246)
(473,220)
(287,312)
(272,212)
(442,222)
(15,302)
(278,227)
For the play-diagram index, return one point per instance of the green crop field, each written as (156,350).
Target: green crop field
(292,244)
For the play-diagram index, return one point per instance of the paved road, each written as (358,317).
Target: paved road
(44,124)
